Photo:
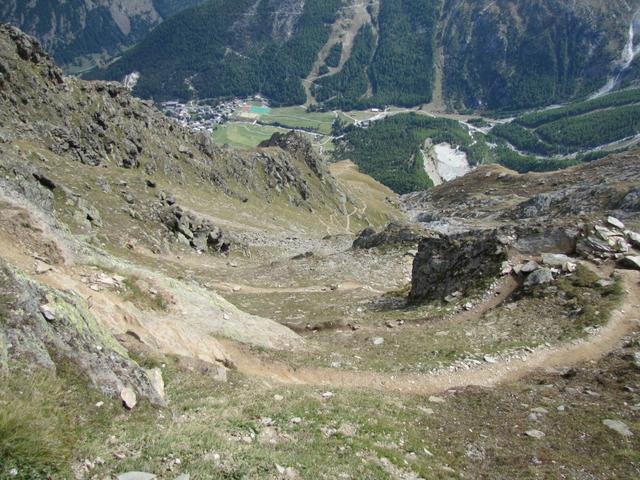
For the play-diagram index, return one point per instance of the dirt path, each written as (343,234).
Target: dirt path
(622,321)
(342,287)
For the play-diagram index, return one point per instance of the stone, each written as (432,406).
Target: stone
(327,395)
(634,238)
(631,261)
(618,426)
(136,476)
(569,267)
(636,359)
(489,359)
(455,262)
(128,397)
(47,313)
(393,234)
(555,259)
(377,341)
(295,421)
(42,268)
(157,383)
(540,410)
(529,267)
(537,434)
(614,222)
(435,399)
(539,277)
(184,476)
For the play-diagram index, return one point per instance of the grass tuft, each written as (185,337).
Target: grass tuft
(35,434)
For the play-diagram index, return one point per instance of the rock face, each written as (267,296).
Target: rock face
(190,229)
(393,234)
(42,326)
(450,263)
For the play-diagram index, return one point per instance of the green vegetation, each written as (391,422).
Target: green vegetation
(593,129)
(243,135)
(200,44)
(389,150)
(527,163)
(394,67)
(334,56)
(36,427)
(138,293)
(298,117)
(523,139)
(575,127)
(402,70)
(344,89)
(616,99)
(527,55)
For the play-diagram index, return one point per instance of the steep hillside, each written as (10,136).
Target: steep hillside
(79,31)
(225,48)
(513,55)
(481,55)
(115,202)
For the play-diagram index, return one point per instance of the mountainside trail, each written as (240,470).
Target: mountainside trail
(623,321)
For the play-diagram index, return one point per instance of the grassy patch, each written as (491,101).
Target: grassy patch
(36,426)
(139,294)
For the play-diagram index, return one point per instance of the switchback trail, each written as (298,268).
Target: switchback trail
(623,321)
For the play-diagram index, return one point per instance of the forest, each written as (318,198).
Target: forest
(575,127)
(220,57)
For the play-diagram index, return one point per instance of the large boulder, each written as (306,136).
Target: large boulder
(454,263)
(393,234)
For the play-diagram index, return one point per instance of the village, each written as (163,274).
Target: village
(202,115)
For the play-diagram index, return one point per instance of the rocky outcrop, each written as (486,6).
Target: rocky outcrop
(446,264)
(43,327)
(192,230)
(300,148)
(393,234)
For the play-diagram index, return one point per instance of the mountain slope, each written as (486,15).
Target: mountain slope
(225,48)
(500,55)
(115,202)
(513,55)
(74,30)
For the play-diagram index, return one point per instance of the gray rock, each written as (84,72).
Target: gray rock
(529,267)
(393,234)
(634,238)
(555,259)
(449,263)
(631,201)
(630,261)
(614,222)
(539,277)
(72,333)
(537,434)
(155,377)
(136,476)
(128,397)
(618,426)
(377,340)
